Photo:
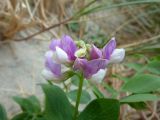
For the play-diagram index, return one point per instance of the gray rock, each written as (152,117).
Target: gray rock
(21,64)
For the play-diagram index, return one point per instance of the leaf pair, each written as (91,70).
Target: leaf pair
(58,107)
(30,106)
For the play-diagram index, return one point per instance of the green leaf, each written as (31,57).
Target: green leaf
(85,96)
(125,79)
(140,98)
(74,26)
(138,105)
(135,66)
(111,90)
(106,6)
(142,84)
(57,106)
(35,103)
(154,67)
(97,92)
(156,58)
(140,56)
(30,105)
(22,116)
(101,109)
(3,114)
(40,118)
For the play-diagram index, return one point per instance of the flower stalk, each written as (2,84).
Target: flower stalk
(81,79)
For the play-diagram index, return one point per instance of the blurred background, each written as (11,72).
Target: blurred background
(28,26)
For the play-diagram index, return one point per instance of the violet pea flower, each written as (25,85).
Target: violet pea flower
(60,55)
(63,49)
(108,52)
(53,70)
(93,70)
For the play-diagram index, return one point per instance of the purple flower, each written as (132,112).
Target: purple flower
(95,69)
(91,67)
(64,49)
(51,65)
(53,70)
(95,53)
(108,52)
(109,48)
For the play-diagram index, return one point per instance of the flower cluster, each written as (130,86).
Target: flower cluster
(66,56)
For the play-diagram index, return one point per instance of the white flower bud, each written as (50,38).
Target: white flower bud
(61,56)
(117,55)
(99,76)
(48,75)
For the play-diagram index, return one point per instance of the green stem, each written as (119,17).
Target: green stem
(50,82)
(81,79)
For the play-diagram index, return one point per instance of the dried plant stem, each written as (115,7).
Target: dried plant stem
(46,29)
(53,26)
(41,31)
(141,42)
(154,112)
(28,7)
(35,9)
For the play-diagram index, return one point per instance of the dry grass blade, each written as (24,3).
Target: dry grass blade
(46,29)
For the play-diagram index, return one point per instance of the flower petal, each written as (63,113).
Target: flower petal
(61,55)
(49,54)
(89,67)
(95,52)
(109,48)
(48,75)
(80,64)
(69,46)
(117,55)
(99,76)
(54,44)
(51,65)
